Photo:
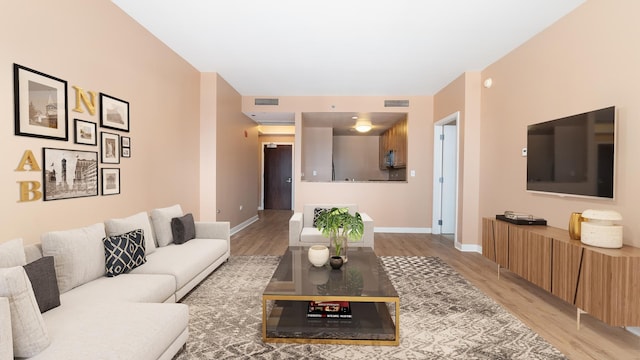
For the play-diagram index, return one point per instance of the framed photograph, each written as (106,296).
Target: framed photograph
(125,141)
(114,113)
(69,173)
(126,152)
(40,102)
(85,132)
(110,148)
(110,181)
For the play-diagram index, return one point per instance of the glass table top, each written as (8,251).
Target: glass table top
(361,276)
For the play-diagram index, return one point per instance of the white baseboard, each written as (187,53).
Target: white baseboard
(635,330)
(402,230)
(244,224)
(468,247)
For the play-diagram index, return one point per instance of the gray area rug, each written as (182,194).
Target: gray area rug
(442,316)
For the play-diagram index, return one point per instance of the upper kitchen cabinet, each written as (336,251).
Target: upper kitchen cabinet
(393,146)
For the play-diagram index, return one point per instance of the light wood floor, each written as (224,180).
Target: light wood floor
(548,316)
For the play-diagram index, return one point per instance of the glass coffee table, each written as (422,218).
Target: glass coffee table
(362,282)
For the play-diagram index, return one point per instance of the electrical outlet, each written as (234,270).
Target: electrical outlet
(240,207)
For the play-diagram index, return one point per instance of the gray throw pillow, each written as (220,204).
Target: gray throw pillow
(42,274)
(183,229)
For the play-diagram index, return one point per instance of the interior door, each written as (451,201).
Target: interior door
(277,177)
(449,179)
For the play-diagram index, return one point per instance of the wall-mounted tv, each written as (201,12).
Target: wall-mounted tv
(574,155)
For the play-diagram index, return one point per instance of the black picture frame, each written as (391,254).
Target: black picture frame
(114,113)
(110,181)
(126,152)
(69,173)
(109,148)
(40,104)
(85,132)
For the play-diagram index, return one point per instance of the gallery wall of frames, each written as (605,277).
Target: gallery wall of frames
(88,168)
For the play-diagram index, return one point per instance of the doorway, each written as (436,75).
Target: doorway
(445,170)
(277,176)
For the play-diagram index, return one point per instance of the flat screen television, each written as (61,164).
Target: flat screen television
(574,155)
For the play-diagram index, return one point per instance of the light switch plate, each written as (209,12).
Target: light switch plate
(524,151)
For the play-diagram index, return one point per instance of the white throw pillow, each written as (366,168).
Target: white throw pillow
(162,223)
(29,332)
(78,255)
(12,253)
(133,222)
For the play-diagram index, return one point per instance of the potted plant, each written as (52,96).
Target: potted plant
(340,226)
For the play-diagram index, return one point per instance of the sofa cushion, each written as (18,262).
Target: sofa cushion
(145,288)
(42,274)
(123,331)
(184,261)
(183,229)
(124,252)
(78,255)
(133,222)
(313,235)
(12,253)
(29,331)
(161,219)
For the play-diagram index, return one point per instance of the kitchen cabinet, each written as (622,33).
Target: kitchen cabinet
(393,146)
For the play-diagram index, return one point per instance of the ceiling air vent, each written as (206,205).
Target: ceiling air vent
(266,101)
(396,103)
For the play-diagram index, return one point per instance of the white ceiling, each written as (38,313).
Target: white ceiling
(343,47)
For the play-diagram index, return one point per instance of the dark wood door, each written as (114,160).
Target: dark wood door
(277,177)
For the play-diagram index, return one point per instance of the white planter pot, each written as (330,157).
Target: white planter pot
(318,255)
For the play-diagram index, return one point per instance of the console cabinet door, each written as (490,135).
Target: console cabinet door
(609,288)
(530,256)
(538,254)
(565,268)
(495,241)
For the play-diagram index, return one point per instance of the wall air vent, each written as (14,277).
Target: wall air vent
(266,101)
(396,103)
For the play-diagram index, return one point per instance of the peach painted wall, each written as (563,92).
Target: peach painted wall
(392,205)
(97,47)
(585,61)
(236,160)
(463,95)
(208,142)
(357,158)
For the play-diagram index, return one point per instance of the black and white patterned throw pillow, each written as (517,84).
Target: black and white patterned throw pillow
(124,253)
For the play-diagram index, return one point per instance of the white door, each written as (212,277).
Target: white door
(449,176)
(445,172)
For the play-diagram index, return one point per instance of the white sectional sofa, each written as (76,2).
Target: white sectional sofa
(132,315)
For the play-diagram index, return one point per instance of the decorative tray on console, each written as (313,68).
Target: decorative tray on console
(522,220)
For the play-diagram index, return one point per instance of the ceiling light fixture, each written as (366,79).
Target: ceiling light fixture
(363,125)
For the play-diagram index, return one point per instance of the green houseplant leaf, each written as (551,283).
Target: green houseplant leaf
(337,223)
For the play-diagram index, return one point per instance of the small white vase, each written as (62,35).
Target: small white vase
(318,255)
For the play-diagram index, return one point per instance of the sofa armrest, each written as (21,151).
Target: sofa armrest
(295,229)
(367,235)
(213,230)
(6,337)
